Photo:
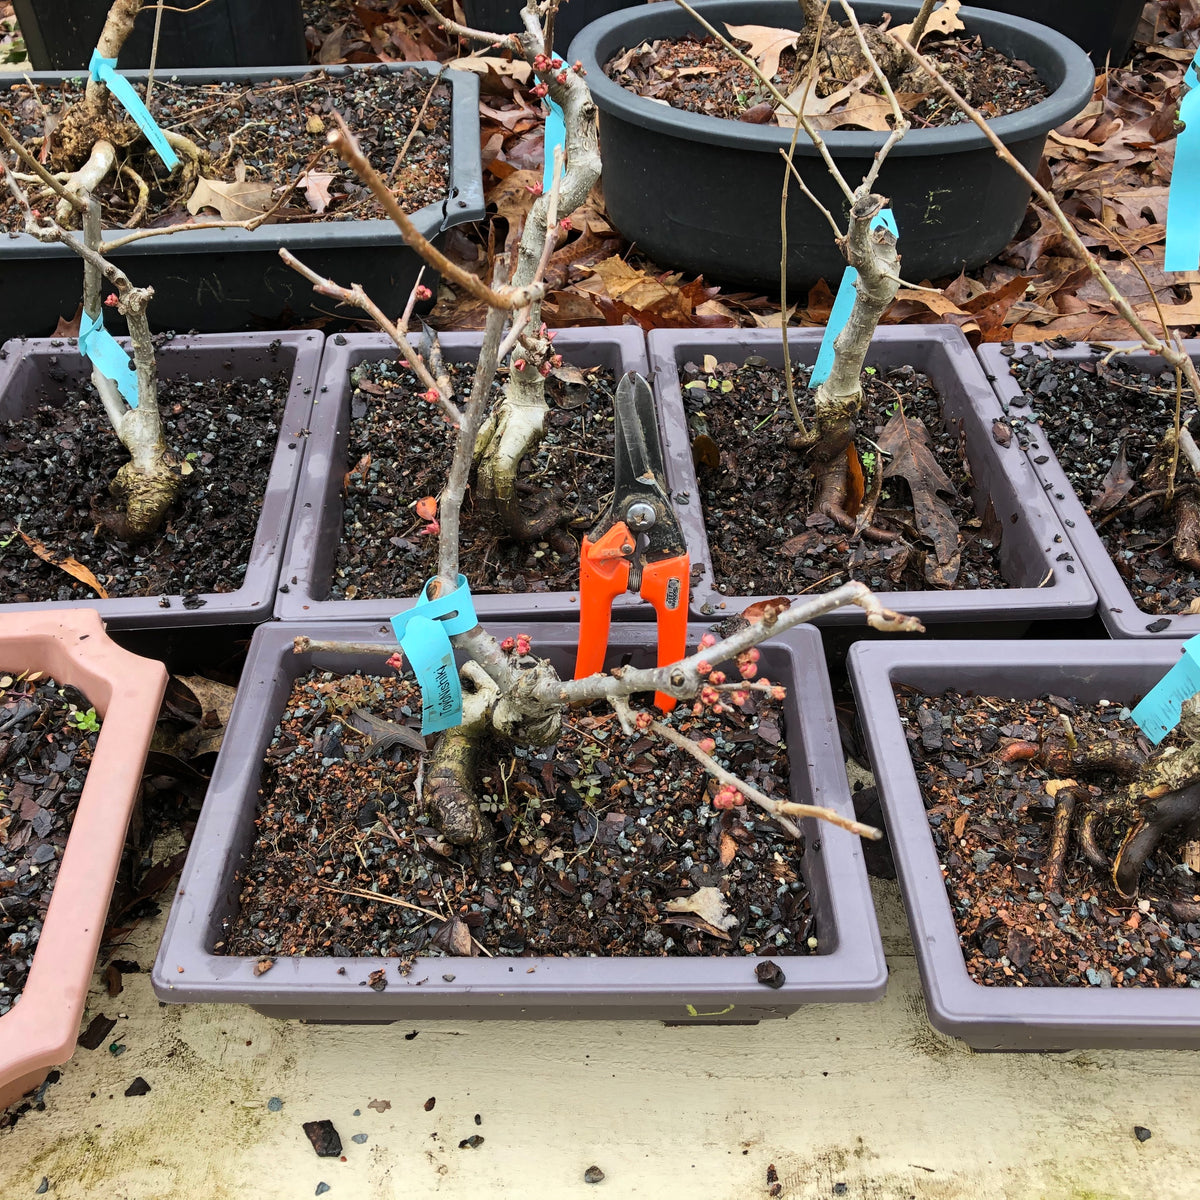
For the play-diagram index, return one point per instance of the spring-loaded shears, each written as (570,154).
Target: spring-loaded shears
(637,545)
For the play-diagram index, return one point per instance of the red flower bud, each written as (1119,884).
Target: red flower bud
(535,188)
(524,643)
(709,639)
(431,395)
(748,670)
(112,300)
(508,644)
(396,660)
(423,293)
(708,745)
(717,678)
(518,364)
(644,720)
(704,667)
(727,797)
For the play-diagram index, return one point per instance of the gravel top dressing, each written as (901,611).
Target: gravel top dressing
(741,426)
(602,846)
(56,466)
(990,820)
(399,452)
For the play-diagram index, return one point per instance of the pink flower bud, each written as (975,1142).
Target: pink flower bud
(708,745)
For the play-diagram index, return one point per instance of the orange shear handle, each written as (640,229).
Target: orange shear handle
(603,576)
(665,585)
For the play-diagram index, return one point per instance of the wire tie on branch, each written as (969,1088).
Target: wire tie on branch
(1183,204)
(104,70)
(107,356)
(844,304)
(1161,707)
(424,633)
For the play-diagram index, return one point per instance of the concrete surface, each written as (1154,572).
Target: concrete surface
(865,1102)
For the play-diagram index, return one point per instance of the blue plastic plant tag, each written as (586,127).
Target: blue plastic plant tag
(1183,203)
(424,632)
(104,70)
(843,305)
(1160,709)
(555,137)
(106,355)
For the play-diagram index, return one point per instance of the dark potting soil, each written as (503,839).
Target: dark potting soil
(267,134)
(47,738)
(990,821)
(55,469)
(1104,425)
(399,452)
(740,423)
(593,838)
(699,75)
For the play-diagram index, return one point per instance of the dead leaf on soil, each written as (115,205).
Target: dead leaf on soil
(709,905)
(941,20)
(316,189)
(483,64)
(236,201)
(68,328)
(72,566)
(905,441)
(1116,485)
(766,44)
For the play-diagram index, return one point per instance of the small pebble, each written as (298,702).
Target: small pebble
(471,1143)
(42,1187)
(274,1104)
(1141,1133)
(593,1175)
(324,1138)
(358,1137)
(322,1188)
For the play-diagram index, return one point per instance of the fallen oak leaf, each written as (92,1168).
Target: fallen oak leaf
(1117,483)
(236,201)
(941,20)
(316,189)
(708,904)
(905,441)
(72,566)
(766,43)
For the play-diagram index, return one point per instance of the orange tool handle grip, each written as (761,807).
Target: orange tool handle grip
(665,585)
(600,583)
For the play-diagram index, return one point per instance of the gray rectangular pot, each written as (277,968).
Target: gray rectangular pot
(1033,538)
(312,545)
(1117,608)
(999,1018)
(849,965)
(39,369)
(212,280)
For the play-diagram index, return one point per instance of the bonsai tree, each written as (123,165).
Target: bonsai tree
(148,483)
(508,691)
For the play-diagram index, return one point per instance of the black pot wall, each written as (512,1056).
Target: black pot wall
(702,194)
(1104,28)
(217,280)
(61,34)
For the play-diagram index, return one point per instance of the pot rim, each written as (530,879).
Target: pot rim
(126,689)
(1055,57)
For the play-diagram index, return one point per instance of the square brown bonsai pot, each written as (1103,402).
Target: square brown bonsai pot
(311,554)
(70,645)
(848,965)
(1040,586)
(40,370)
(1117,608)
(1005,1018)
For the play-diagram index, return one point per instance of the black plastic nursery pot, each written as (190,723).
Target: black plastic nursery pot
(213,280)
(311,555)
(702,194)
(1117,607)
(36,371)
(504,16)
(1103,28)
(847,966)
(60,35)
(1005,1018)
(1041,586)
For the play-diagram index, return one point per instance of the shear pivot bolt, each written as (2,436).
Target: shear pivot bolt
(640,516)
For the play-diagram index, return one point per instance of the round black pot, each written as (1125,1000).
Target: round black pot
(503,16)
(1104,28)
(61,34)
(702,194)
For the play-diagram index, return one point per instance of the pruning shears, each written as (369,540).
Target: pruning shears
(637,545)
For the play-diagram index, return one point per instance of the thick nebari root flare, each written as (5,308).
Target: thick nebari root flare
(145,497)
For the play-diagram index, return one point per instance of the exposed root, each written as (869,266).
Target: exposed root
(145,496)
(100,161)
(143,190)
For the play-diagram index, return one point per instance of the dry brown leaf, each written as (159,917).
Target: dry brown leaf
(727,850)
(906,441)
(236,201)
(68,329)
(216,702)
(941,20)
(708,904)
(316,189)
(72,566)
(766,42)
(1118,482)
(483,64)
